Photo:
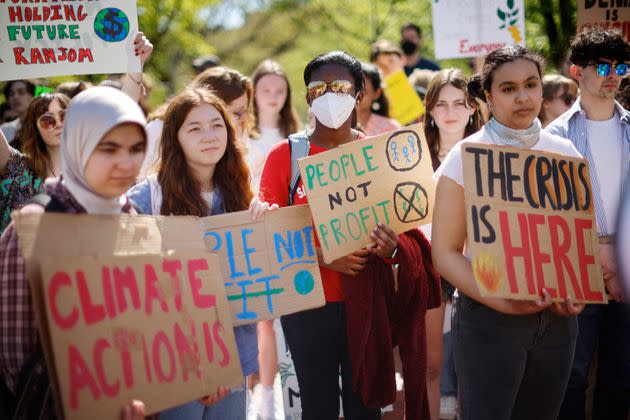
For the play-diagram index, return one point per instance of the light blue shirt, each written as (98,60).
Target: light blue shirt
(572,125)
(246,337)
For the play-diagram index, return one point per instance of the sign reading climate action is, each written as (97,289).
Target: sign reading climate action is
(607,14)
(530,224)
(153,328)
(41,39)
(385,179)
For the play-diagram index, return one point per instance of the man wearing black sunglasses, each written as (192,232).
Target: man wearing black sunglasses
(600,129)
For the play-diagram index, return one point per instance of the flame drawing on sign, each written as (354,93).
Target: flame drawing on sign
(487,271)
(509,19)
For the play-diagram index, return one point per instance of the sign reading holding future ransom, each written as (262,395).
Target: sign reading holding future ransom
(383,179)
(41,39)
(530,223)
(153,328)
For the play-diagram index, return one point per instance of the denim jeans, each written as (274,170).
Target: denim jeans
(511,366)
(609,327)
(231,407)
(318,343)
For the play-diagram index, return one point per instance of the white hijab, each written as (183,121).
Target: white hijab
(91,114)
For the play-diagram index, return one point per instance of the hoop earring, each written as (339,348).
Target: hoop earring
(470,120)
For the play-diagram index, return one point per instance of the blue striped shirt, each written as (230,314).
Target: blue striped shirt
(572,125)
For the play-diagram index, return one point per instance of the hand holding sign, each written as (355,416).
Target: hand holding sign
(352,189)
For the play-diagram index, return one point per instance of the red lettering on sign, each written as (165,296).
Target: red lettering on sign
(80,377)
(172,267)
(161,341)
(512,252)
(200,300)
(59,280)
(560,249)
(538,256)
(110,390)
(582,225)
(152,290)
(92,313)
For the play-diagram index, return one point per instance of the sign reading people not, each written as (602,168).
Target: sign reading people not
(531,224)
(604,14)
(153,328)
(478,27)
(385,179)
(41,39)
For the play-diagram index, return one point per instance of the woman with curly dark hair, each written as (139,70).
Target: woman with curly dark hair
(202,172)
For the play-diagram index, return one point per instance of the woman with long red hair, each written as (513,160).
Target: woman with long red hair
(203,172)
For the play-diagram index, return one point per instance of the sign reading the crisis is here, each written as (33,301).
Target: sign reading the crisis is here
(531,224)
(56,38)
(472,28)
(153,328)
(604,14)
(386,179)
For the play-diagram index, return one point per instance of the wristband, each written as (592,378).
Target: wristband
(393,259)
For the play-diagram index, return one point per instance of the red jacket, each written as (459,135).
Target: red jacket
(380,317)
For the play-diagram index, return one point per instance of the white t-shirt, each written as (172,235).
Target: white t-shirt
(605,142)
(453,168)
(10,129)
(257,150)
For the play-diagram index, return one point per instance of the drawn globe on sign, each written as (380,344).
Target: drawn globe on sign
(304,282)
(111,25)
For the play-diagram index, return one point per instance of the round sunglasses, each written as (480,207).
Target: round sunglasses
(48,121)
(317,88)
(603,69)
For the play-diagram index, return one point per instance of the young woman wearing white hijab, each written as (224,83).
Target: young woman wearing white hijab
(102,148)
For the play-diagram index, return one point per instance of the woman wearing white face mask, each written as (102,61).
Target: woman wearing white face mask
(318,338)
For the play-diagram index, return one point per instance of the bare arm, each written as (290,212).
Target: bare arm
(132,82)
(5,151)
(448,238)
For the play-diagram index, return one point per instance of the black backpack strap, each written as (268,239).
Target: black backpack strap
(299,147)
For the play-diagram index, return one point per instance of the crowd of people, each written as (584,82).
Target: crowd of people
(227,143)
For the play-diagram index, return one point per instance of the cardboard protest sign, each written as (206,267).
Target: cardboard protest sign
(478,27)
(154,328)
(41,39)
(383,179)
(269,266)
(605,15)
(531,224)
(405,105)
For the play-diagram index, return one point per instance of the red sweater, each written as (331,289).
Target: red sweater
(379,317)
(274,189)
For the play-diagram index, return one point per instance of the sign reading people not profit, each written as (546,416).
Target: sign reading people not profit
(478,28)
(385,179)
(530,224)
(604,14)
(153,328)
(41,39)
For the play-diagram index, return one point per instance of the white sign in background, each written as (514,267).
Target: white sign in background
(67,38)
(472,28)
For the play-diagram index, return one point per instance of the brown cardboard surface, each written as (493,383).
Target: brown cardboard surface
(591,14)
(269,266)
(148,327)
(518,243)
(283,237)
(383,179)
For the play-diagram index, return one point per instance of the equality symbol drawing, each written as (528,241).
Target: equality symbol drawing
(411,202)
(403,150)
